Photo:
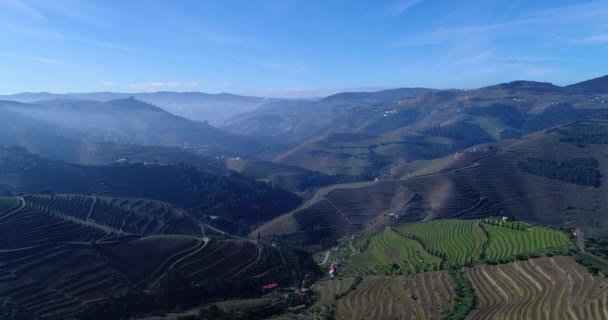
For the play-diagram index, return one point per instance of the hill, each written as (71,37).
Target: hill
(231,197)
(593,86)
(293,122)
(428,125)
(68,254)
(485,180)
(294,179)
(125,121)
(199,106)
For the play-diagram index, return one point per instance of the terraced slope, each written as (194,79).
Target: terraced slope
(341,209)
(57,280)
(545,288)
(457,241)
(388,253)
(60,253)
(506,242)
(422,296)
(116,215)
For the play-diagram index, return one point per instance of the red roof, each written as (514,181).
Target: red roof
(270,286)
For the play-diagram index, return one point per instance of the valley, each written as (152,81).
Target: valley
(405,203)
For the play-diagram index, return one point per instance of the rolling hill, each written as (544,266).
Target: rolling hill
(124,121)
(199,106)
(292,122)
(204,194)
(68,254)
(485,180)
(429,125)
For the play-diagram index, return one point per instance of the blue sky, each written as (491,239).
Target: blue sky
(291,47)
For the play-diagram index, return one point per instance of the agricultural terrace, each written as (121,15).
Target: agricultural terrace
(528,290)
(514,239)
(422,296)
(6,203)
(458,242)
(387,253)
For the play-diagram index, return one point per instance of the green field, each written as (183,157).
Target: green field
(387,253)
(508,242)
(456,241)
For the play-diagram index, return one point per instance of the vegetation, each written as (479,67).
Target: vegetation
(591,131)
(234,197)
(583,171)
(464,300)
(457,242)
(422,296)
(387,253)
(527,290)
(508,240)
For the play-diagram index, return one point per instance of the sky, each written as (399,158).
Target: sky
(296,47)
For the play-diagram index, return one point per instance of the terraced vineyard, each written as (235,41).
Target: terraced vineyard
(388,253)
(506,242)
(529,290)
(457,241)
(60,253)
(422,296)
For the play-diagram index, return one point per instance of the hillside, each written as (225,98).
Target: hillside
(292,122)
(124,121)
(430,125)
(231,197)
(486,180)
(68,253)
(294,179)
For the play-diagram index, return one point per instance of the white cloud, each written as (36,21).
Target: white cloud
(22,8)
(38,59)
(400,6)
(226,84)
(169,85)
(595,39)
(590,14)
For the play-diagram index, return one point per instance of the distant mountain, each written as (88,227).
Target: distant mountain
(367,138)
(123,121)
(214,108)
(32,96)
(293,122)
(385,96)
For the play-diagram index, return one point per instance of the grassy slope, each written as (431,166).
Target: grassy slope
(506,242)
(458,241)
(387,249)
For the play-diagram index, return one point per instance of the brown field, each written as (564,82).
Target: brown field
(423,296)
(544,288)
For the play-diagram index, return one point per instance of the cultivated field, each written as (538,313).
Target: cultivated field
(422,296)
(544,288)
(456,241)
(387,253)
(507,242)
(59,253)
